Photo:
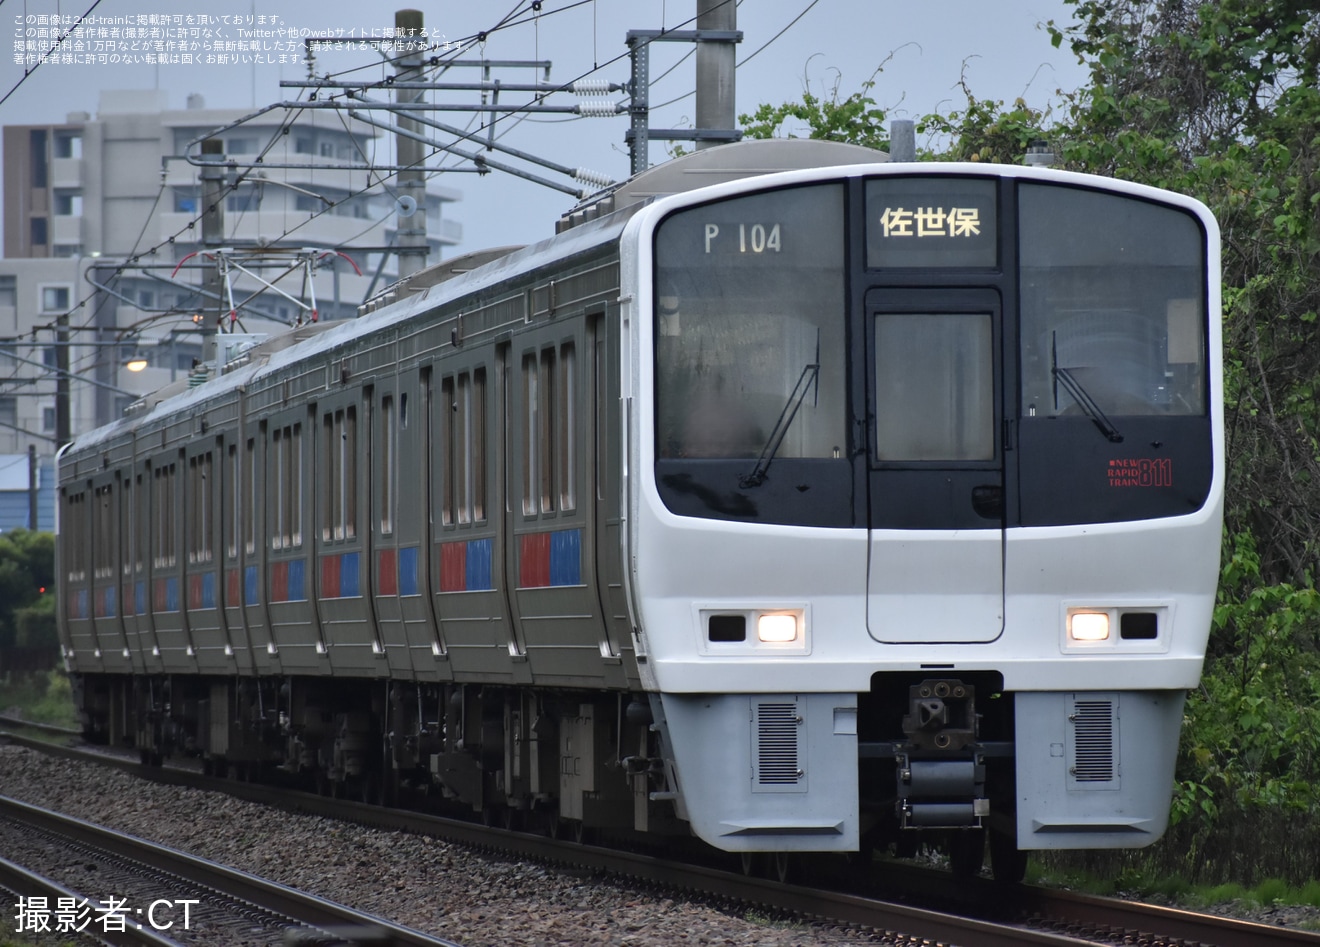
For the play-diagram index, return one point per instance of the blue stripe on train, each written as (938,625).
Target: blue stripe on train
(348,575)
(566,557)
(408,570)
(478,565)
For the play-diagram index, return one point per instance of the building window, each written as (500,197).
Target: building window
(68,203)
(8,291)
(48,419)
(243,201)
(242,146)
(68,145)
(50,356)
(38,228)
(40,163)
(54,298)
(186,357)
(186,200)
(303,145)
(8,413)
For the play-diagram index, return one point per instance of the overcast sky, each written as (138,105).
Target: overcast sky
(925,46)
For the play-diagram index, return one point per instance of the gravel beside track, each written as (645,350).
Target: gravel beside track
(419,882)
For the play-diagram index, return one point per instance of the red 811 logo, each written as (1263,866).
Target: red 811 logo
(1141,472)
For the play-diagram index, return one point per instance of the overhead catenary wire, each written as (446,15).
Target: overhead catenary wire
(135,256)
(507,21)
(382,180)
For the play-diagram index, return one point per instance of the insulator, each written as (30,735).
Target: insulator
(598,109)
(591,87)
(587,176)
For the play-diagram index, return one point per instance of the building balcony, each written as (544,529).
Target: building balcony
(66,230)
(66,172)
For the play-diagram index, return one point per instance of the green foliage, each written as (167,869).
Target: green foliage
(855,119)
(1222,894)
(27,565)
(34,626)
(985,130)
(1220,101)
(45,697)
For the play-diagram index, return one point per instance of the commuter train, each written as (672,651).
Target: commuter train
(787,497)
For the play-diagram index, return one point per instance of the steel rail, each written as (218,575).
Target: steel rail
(307,909)
(8,721)
(1057,909)
(26,883)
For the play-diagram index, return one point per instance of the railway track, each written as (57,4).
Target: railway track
(979,914)
(18,882)
(144,890)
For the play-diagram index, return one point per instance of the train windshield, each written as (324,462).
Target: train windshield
(750,329)
(1112,300)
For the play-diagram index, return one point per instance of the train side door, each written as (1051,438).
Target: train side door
(936,478)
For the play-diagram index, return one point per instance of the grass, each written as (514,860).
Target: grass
(1176,890)
(43,698)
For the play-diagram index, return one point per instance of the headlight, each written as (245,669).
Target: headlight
(777,628)
(1088,626)
(746,628)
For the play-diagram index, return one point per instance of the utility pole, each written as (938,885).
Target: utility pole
(105,370)
(63,429)
(32,487)
(411,234)
(716,36)
(213,238)
(715,68)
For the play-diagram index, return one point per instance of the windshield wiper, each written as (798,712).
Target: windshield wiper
(1079,394)
(809,376)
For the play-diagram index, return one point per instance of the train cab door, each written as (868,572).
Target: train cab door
(934,377)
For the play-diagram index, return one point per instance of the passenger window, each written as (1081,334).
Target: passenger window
(934,383)
(1113,305)
(750,308)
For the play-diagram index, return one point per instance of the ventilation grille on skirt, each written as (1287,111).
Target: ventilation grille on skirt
(777,745)
(1093,741)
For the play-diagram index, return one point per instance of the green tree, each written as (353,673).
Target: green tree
(1219,99)
(27,566)
(855,118)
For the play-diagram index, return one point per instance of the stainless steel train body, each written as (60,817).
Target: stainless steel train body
(799,510)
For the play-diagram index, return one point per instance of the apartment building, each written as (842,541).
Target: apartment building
(102,261)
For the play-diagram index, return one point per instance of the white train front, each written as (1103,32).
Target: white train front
(936,499)
(891,496)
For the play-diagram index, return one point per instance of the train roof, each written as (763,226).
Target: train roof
(732,162)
